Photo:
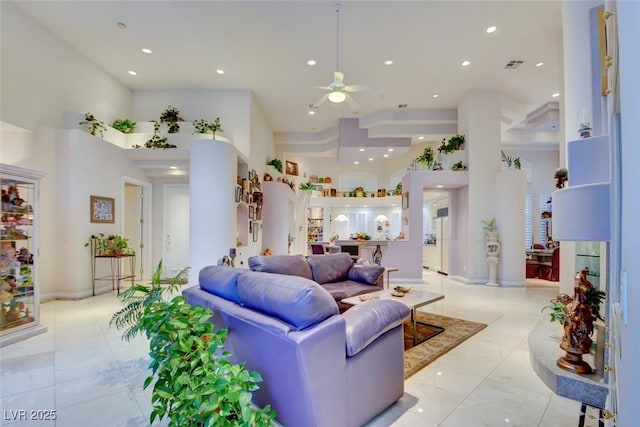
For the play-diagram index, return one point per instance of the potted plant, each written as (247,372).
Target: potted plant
(205,126)
(490,227)
(94,125)
(306,186)
(359,192)
(194,383)
(171,116)
(456,142)
(510,162)
(111,244)
(427,157)
(276,163)
(444,147)
(398,190)
(156,141)
(124,125)
(459,166)
(561,175)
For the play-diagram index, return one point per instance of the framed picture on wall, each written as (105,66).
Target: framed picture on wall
(405,200)
(102,209)
(259,213)
(252,212)
(292,168)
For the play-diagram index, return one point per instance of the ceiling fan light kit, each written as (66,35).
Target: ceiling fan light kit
(338,91)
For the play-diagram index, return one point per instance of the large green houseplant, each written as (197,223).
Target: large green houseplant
(194,383)
(427,157)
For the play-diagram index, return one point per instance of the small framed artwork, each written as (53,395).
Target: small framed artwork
(259,213)
(254,232)
(313,179)
(238,193)
(405,200)
(252,212)
(292,168)
(102,209)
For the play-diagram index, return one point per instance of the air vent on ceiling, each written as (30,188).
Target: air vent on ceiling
(511,65)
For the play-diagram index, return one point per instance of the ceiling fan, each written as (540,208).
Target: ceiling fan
(338,91)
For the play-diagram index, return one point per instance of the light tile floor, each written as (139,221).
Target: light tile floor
(81,369)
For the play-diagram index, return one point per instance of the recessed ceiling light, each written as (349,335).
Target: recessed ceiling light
(362,149)
(122,25)
(356,163)
(539,64)
(386,155)
(388,62)
(145,50)
(555,95)
(311,113)
(311,62)
(173,167)
(220,71)
(491,29)
(439,186)
(466,63)
(435,95)
(132,73)
(370,159)
(421,138)
(389,149)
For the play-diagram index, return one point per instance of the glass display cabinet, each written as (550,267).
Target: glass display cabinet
(19,305)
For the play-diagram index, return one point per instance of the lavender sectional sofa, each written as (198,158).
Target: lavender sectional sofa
(335,272)
(320,368)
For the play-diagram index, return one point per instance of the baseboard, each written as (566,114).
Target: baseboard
(85,293)
(512,283)
(468,281)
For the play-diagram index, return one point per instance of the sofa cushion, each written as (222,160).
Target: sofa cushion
(369,274)
(368,320)
(331,267)
(298,301)
(292,265)
(346,289)
(221,281)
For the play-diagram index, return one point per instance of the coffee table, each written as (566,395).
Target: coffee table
(414,299)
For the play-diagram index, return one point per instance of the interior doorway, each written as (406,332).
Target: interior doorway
(136,211)
(175,239)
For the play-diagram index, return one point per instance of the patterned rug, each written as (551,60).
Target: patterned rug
(456,331)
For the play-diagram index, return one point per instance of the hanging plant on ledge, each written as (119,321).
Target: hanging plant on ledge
(124,125)
(171,116)
(156,140)
(205,126)
(306,186)
(95,125)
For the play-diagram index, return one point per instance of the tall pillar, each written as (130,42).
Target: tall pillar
(479,117)
(577,96)
(510,190)
(212,211)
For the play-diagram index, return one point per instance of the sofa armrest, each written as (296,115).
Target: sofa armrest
(368,320)
(369,274)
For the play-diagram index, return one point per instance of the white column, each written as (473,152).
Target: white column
(276,217)
(510,193)
(479,116)
(212,212)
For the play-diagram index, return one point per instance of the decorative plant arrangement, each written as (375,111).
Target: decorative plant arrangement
(306,186)
(510,162)
(489,225)
(577,314)
(94,125)
(561,175)
(361,235)
(444,147)
(156,140)
(194,383)
(205,126)
(454,143)
(427,157)
(124,125)
(111,244)
(459,166)
(171,117)
(398,190)
(276,163)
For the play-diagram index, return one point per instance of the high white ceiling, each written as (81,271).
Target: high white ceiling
(264,46)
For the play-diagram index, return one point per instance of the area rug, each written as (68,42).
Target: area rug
(456,331)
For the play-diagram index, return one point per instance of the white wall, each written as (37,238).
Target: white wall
(42,77)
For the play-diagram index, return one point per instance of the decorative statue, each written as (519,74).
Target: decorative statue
(578,327)
(377,255)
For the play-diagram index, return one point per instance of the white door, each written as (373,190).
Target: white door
(444,224)
(175,250)
(133,216)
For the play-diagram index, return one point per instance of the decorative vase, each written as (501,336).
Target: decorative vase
(377,255)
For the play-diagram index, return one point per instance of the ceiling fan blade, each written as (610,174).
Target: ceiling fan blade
(321,101)
(359,88)
(338,78)
(321,87)
(351,102)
